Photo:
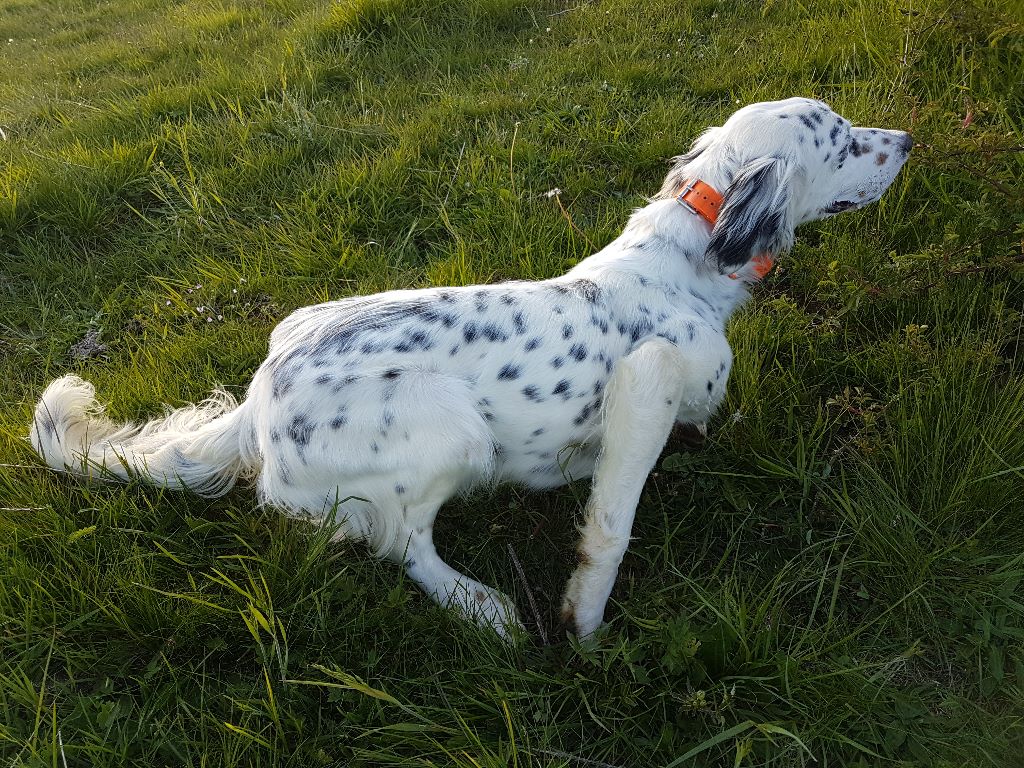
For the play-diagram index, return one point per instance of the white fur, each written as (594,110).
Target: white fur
(376,410)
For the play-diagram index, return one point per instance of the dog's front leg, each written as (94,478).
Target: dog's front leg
(640,407)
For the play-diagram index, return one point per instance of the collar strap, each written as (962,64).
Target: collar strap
(705,201)
(701,199)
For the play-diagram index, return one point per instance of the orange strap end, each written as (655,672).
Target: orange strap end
(762,266)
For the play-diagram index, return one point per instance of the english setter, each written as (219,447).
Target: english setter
(376,410)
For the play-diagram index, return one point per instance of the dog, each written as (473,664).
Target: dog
(377,410)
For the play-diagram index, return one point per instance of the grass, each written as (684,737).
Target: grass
(836,578)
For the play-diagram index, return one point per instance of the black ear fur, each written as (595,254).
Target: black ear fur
(755,215)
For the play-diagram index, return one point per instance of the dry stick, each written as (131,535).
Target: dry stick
(454,175)
(511,152)
(973,171)
(529,594)
(565,213)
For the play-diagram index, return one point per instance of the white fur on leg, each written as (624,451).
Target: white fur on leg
(639,410)
(471,599)
(445,585)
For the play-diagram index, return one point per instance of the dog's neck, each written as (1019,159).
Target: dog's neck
(664,244)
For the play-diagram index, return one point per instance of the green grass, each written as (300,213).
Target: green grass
(836,578)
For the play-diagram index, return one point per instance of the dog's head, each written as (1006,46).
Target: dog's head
(779,164)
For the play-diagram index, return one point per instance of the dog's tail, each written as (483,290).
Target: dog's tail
(201,447)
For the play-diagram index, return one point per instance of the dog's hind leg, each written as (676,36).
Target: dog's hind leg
(639,409)
(415,550)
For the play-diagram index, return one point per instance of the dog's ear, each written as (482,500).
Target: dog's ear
(755,217)
(680,163)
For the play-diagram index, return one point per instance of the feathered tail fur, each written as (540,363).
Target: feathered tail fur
(199,447)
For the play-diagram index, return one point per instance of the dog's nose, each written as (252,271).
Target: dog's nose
(907,142)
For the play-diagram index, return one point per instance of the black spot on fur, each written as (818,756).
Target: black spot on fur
(538,432)
(858,149)
(639,329)
(508,299)
(281,380)
(300,430)
(323,379)
(532,344)
(510,372)
(414,340)
(374,447)
(578,351)
(807,121)
(453,351)
(469,332)
(598,322)
(710,387)
(275,436)
(584,414)
(519,323)
(492,332)
(833,135)
(391,373)
(532,393)
(567,331)
(446,297)
(557,362)
(399,489)
(561,387)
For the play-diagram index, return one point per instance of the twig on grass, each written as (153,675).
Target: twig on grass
(557,194)
(454,175)
(529,594)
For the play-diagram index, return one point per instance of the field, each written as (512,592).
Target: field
(834,578)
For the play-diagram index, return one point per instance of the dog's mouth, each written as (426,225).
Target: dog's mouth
(838,206)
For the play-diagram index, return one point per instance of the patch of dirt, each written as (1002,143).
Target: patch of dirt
(88,347)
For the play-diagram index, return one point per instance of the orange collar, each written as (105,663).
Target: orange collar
(704,201)
(701,199)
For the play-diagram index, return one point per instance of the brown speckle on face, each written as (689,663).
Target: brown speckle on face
(480,596)
(862,194)
(881,158)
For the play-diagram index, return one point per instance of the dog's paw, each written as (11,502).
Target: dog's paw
(491,608)
(583,605)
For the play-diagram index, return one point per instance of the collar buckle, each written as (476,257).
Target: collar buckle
(691,184)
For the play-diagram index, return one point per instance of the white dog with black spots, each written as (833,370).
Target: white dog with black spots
(377,410)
